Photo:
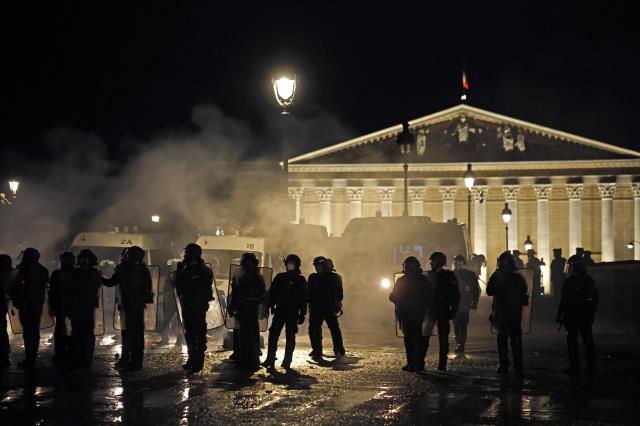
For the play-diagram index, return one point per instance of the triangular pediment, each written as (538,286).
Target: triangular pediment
(467,134)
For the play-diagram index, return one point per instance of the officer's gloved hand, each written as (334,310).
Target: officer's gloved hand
(300,319)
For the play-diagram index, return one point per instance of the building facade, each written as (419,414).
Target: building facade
(564,191)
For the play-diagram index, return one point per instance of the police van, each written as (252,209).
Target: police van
(371,251)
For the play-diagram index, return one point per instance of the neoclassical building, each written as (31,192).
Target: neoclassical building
(564,191)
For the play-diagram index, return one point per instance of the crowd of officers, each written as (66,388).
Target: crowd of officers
(74,295)
(425,305)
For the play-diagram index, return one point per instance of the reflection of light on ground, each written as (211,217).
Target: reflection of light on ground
(184,349)
(107,340)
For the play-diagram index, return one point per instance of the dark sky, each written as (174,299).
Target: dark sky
(133,71)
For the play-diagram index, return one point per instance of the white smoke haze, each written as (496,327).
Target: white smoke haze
(220,174)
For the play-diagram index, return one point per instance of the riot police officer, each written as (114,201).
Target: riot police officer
(86,283)
(411,295)
(510,294)
(60,307)
(469,295)
(6,271)
(248,294)
(577,312)
(516,258)
(28,293)
(134,279)
(325,304)
(535,264)
(557,273)
(194,285)
(446,298)
(288,303)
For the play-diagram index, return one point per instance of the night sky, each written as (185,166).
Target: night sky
(123,71)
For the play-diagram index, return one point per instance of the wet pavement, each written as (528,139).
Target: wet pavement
(365,387)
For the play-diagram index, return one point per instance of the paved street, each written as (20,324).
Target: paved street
(367,387)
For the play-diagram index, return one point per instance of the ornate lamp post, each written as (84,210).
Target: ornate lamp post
(506,218)
(405,140)
(284,89)
(528,244)
(469,179)
(13,186)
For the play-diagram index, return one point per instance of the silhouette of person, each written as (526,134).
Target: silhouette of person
(557,273)
(534,263)
(509,291)
(28,294)
(60,299)
(446,298)
(288,303)
(194,284)
(325,304)
(516,257)
(577,311)
(412,296)
(469,289)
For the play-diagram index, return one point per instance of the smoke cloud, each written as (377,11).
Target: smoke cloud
(220,173)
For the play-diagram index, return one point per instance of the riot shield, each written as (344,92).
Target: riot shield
(525,324)
(428,324)
(150,310)
(235,274)
(214,315)
(46,319)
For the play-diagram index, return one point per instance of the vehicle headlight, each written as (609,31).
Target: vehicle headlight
(385,283)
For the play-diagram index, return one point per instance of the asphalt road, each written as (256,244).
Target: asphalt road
(366,387)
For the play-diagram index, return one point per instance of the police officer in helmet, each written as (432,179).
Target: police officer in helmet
(194,285)
(134,279)
(288,303)
(60,298)
(510,294)
(325,304)
(469,296)
(248,293)
(446,298)
(28,293)
(412,298)
(577,311)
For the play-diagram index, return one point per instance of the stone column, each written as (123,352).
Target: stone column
(636,220)
(479,194)
(574,191)
(416,196)
(542,244)
(296,194)
(448,194)
(606,193)
(355,194)
(325,194)
(511,197)
(386,199)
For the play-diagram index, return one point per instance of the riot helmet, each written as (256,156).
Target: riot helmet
(249,260)
(319,263)
(411,265)
(135,254)
(30,256)
(86,259)
(576,265)
(329,264)
(192,252)
(506,261)
(294,261)
(67,260)
(438,260)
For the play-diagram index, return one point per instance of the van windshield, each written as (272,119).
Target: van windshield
(221,260)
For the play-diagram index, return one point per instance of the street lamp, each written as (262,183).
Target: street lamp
(528,244)
(155,218)
(632,243)
(285,89)
(469,179)
(404,141)
(506,218)
(13,186)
